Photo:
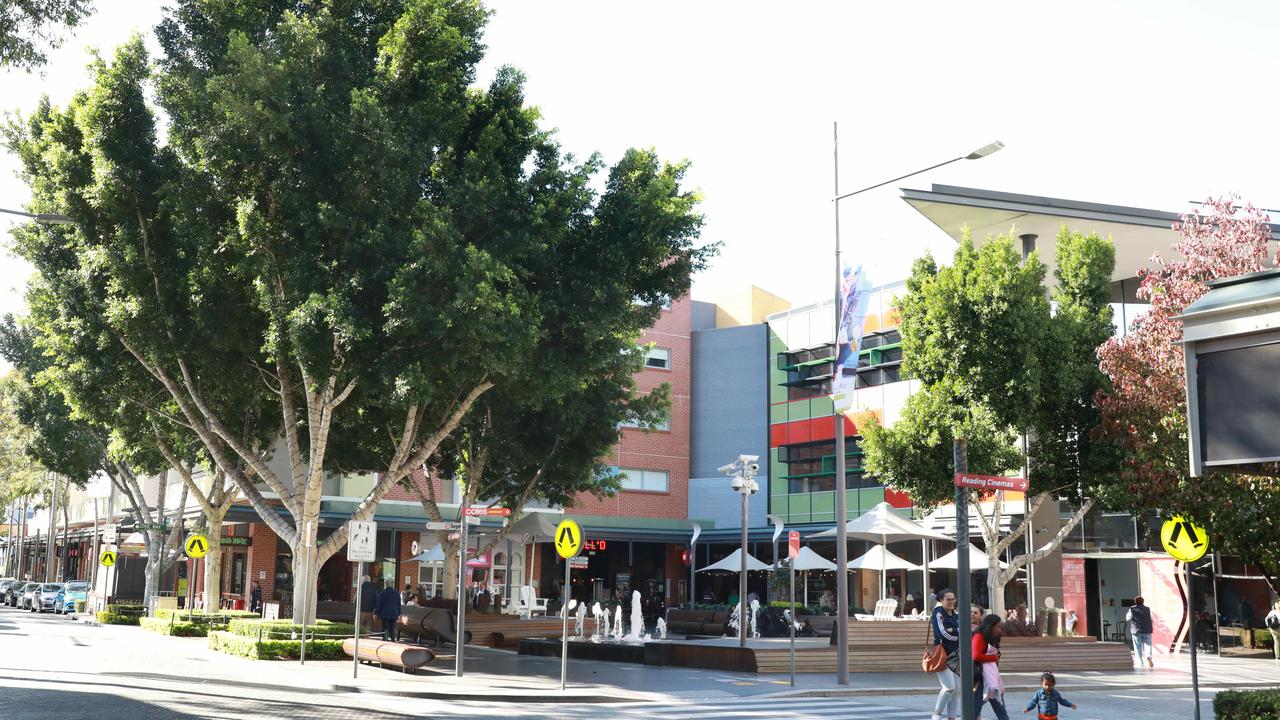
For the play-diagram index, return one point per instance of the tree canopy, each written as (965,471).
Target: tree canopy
(337,226)
(29,28)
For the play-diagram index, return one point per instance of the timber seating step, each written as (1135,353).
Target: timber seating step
(508,631)
(388,654)
(1018,655)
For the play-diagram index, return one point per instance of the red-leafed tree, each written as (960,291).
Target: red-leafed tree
(1144,412)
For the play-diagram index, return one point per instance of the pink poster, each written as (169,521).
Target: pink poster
(1162,590)
(1074,592)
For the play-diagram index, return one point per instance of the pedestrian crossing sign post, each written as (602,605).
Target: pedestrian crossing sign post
(1184,540)
(196,546)
(108,558)
(568,544)
(1187,542)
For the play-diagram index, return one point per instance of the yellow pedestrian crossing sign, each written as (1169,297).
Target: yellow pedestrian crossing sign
(1183,539)
(108,558)
(568,538)
(196,546)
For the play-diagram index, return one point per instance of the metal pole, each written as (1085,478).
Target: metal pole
(1191,633)
(842,550)
(93,578)
(963,582)
(53,528)
(355,658)
(693,574)
(1217,616)
(564,628)
(792,624)
(22,539)
(306,595)
(742,571)
(459,640)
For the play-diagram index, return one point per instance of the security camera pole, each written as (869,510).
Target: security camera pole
(743,471)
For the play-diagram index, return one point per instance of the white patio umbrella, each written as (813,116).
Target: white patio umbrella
(882,523)
(733,563)
(435,554)
(877,558)
(977,560)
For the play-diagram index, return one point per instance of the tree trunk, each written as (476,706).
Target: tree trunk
(66,526)
(306,575)
(151,573)
(213,564)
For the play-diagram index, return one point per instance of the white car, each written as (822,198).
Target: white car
(29,591)
(45,597)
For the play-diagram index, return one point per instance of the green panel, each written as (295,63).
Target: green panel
(778,414)
(776,471)
(824,502)
(821,406)
(799,505)
(869,498)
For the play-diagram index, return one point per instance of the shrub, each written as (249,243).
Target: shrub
(249,647)
(165,626)
(1247,704)
(113,618)
(184,615)
(81,606)
(285,629)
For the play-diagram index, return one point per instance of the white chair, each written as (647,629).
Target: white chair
(531,603)
(886,609)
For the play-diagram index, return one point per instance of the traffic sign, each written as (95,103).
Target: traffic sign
(472,519)
(991,482)
(196,546)
(1183,539)
(568,538)
(581,562)
(362,543)
(109,534)
(486,511)
(793,544)
(108,558)
(446,525)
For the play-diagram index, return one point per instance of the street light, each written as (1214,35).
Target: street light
(47,218)
(743,481)
(841,629)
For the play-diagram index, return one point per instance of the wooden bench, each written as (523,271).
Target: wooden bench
(402,655)
(507,630)
(432,624)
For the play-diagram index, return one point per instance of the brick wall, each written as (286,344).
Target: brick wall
(262,559)
(657,449)
(406,567)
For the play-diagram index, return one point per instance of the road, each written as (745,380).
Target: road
(52,667)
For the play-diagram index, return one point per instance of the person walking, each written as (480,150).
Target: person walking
(946,632)
(1140,627)
(388,611)
(368,603)
(255,598)
(1047,699)
(986,657)
(1272,621)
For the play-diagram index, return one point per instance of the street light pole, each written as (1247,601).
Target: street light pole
(743,471)
(841,629)
(47,218)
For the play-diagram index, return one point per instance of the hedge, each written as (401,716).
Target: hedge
(1247,704)
(285,629)
(165,626)
(196,615)
(249,647)
(114,618)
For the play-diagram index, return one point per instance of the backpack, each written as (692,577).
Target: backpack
(1273,621)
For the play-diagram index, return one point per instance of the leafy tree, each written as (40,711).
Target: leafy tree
(999,365)
(30,27)
(341,227)
(19,474)
(1144,410)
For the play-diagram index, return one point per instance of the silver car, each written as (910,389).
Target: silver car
(25,600)
(45,596)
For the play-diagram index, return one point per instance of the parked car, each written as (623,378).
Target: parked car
(5,584)
(29,592)
(45,597)
(13,592)
(76,590)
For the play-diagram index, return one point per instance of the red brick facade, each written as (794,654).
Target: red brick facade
(664,450)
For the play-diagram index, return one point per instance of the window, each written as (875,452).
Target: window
(657,357)
(663,424)
(647,480)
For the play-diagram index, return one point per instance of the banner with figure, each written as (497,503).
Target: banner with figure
(855,297)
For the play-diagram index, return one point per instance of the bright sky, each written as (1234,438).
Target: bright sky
(1151,104)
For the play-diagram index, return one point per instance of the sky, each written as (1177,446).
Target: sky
(1150,104)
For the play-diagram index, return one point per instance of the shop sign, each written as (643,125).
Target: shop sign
(240,541)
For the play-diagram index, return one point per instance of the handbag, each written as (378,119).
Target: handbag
(935,658)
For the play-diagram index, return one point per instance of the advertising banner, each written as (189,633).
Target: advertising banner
(855,297)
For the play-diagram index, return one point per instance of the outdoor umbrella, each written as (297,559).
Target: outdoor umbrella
(977,560)
(884,524)
(533,527)
(435,554)
(733,563)
(877,558)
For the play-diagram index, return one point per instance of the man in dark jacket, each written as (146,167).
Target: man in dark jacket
(368,602)
(388,610)
(1140,627)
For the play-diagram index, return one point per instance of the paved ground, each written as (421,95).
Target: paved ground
(51,667)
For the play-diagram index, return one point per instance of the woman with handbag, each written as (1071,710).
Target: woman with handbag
(944,659)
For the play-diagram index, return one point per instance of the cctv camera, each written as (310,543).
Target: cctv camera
(748,458)
(755,467)
(727,469)
(738,483)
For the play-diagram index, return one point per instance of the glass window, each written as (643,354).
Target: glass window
(663,424)
(657,357)
(648,480)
